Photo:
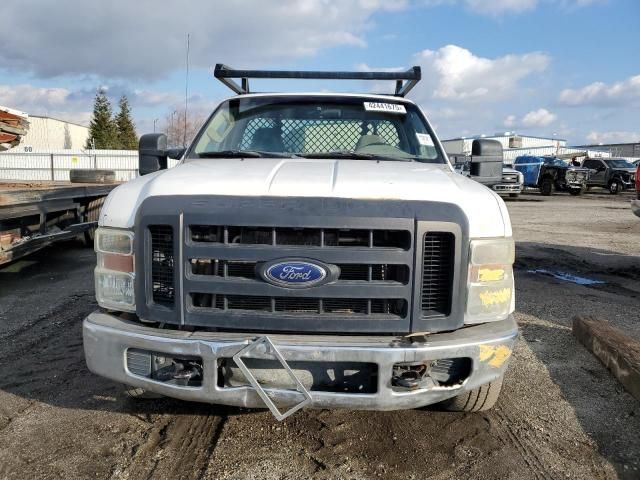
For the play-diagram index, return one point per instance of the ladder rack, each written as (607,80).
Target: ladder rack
(405,81)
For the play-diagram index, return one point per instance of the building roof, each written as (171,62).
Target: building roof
(473,137)
(46,117)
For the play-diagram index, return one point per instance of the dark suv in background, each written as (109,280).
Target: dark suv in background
(614,174)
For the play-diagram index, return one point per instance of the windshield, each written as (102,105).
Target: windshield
(555,162)
(619,164)
(317,127)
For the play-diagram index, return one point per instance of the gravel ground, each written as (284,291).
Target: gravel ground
(561,414)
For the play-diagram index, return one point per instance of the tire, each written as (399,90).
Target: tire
(614,186)
(546,187)
(92,176)
(91,213)
(477,400)
(140,393)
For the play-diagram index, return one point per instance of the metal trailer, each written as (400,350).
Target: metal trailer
(36,214)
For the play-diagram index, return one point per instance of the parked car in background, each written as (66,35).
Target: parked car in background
(511,182)
(614,174)
(551,173)
(635,204)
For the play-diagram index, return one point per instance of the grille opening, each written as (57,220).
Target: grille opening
(301,305)
(448,372)
(344,377)
(379,272)
(437,273)
(290,236)
(348,271)
(162,264)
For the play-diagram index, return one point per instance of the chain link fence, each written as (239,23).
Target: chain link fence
(55,165)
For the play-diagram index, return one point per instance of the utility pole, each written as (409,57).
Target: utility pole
(154,125)
(186,95)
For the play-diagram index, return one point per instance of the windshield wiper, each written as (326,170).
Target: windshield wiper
(241,154)
(353,155)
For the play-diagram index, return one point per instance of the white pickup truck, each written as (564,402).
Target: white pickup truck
(308,250)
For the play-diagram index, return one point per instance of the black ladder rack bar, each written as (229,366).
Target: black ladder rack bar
(405,81)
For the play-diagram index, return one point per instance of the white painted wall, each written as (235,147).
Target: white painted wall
(52,134)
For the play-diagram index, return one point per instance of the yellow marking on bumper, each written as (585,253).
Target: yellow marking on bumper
(495,356)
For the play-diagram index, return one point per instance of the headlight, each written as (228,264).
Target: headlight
(490,288)
(115,273)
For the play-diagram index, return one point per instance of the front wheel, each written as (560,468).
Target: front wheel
(477,400)
(614,186)
(546,187)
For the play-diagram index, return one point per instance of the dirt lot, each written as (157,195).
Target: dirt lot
(561,415)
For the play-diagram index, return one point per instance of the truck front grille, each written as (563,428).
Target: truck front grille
(162,264)
(395,271)
(437,273)
(301,306)
(348,271)
(509,177)
(286,236)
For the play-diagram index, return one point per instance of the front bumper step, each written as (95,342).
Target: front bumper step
(108,339)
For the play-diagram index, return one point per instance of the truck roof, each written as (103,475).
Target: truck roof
(373,96)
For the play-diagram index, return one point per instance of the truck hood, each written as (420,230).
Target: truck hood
(358,179)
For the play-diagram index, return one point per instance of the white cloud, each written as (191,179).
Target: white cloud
(455,73)
(75,105)
(150,40)
(500,7)
(602,94)
(535,118)
(613,137)
(510,121)
(538,118)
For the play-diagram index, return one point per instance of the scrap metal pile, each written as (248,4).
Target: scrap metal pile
(13,125)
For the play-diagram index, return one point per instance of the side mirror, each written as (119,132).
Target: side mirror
(487,161)
(152,153)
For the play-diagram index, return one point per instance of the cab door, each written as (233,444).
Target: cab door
(599,171)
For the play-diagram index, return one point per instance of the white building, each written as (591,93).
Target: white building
(52,134)
(515,145)
(509,140)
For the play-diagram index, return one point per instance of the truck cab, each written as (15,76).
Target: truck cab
(309,250)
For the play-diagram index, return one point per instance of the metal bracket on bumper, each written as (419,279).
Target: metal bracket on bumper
(271,349)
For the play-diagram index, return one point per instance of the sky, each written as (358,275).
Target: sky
(563,68)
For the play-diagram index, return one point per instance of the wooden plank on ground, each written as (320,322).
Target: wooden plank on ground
(617,351)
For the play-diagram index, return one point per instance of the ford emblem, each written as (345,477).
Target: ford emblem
(297,273)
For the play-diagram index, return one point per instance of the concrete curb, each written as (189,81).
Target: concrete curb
(617,351)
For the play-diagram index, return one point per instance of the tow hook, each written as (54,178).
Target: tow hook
(411,375)
(179,372)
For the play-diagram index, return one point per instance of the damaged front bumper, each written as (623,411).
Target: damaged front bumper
(111,344)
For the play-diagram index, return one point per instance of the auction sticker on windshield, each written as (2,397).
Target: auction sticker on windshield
(384,107)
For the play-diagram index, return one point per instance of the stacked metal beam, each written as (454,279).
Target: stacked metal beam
(13,125)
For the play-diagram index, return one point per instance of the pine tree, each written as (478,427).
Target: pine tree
(102,130)
(126,129)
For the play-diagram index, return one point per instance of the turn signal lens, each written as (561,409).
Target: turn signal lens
(490,281)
